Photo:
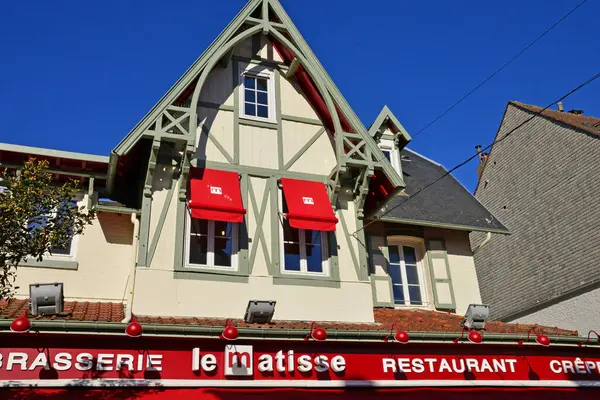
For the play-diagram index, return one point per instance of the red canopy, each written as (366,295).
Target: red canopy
(215,195)
(308,205)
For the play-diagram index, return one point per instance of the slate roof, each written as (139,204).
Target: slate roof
(584,123)
(409,320)
(446,203)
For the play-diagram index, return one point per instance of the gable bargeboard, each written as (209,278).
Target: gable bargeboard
(304,140)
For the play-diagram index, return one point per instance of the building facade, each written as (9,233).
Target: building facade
(540,182)
(253,181)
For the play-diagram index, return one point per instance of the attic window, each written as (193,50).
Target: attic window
(257,93)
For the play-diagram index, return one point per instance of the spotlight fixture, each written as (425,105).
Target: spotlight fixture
(230,332)
(400,336)
(474,336)
(539,338)
(21,324)
(588,338)
(134,329)
(317,333)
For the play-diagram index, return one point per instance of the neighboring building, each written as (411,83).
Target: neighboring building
(253,180)
(541,182)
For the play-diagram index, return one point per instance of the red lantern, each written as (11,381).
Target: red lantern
(230,332)
(474,336)
(400,336)
(21,324)
(317,333)
(539,338)
(134,329)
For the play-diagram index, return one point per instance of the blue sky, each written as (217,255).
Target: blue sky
(78,75)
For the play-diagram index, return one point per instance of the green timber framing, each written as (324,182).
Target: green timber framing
(174,121)
(201,331)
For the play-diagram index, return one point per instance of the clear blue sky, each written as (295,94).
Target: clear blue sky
(78,75)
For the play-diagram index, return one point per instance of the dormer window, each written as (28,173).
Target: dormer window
(257,93)
(391,153)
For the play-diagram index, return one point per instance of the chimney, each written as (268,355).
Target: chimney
(478,148)
(561,108)
(482,159)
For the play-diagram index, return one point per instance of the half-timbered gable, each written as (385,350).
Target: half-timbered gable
(253,179)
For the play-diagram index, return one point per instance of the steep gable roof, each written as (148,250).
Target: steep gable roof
(387,118)
(447,203)
(584,123)
(267,17)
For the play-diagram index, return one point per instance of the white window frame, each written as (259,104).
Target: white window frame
(258,71)
(210,255)
(388,145)
(419,246)
(72,251)
(302,243)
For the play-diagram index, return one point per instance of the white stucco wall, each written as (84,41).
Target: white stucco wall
(579,313)
(104,256)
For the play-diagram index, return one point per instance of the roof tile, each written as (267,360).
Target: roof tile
(408,320)
(582,122)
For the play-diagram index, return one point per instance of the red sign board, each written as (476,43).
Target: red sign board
(49,360)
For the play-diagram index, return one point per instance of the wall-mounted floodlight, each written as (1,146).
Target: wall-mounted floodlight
(259,311)
(476,316)
(46,298)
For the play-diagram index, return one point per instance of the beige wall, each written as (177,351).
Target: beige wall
(104,256)
(197,294)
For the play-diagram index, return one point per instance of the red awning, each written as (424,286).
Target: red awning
(308,205)
(215,195)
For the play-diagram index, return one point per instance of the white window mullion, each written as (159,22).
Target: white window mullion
(324,252)
(302,241)
(210,253)
(404,276)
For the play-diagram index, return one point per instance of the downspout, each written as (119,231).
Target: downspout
(112,171)
(131,285)
(485,241)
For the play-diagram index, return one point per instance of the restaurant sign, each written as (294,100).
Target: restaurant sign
(219,363)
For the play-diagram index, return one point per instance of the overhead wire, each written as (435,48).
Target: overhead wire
(499,69)
(489,146)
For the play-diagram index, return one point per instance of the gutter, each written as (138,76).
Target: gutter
(199,331)
(131,284)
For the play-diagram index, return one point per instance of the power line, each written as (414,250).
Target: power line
(498,70)
(498,140)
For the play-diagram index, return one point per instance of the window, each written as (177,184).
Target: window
(256,96)
(257,93)
(391,153)
(211,243)
(407,276)
(60,249)
(303,251)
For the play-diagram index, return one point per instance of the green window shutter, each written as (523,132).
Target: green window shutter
(381,285)
(439,269)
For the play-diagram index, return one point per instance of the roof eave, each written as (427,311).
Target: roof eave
(204,331)
(441,225)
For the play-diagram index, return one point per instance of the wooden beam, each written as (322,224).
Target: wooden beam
(293,68)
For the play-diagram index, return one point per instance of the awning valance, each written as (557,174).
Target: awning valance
(308,205)
(215,195)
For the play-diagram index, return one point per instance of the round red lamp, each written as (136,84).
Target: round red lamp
(400,336)
(21,324)
(539,338)
(134,329)
(474,336)
(230,332)
(317,333)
